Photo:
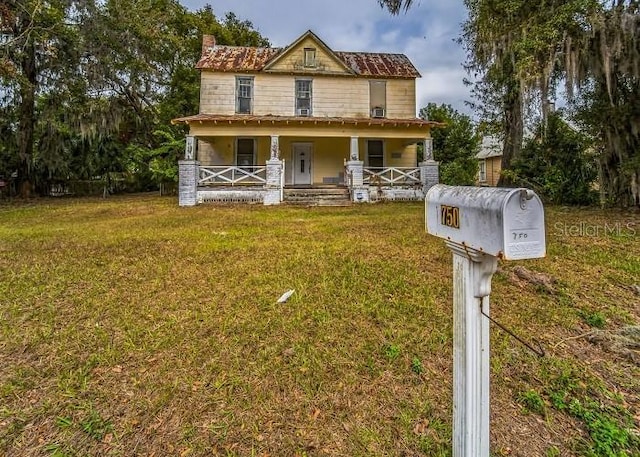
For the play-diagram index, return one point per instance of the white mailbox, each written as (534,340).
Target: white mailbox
(504,223)
(480,226)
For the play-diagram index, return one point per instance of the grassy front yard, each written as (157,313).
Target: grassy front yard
(130,326)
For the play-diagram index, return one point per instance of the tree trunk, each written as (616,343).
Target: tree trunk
(27,111)
(513,128)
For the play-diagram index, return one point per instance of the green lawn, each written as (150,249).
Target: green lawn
(130,326)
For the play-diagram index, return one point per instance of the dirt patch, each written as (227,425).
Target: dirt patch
(624,342)
(520,275)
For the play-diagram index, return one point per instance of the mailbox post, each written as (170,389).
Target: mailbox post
(480,225)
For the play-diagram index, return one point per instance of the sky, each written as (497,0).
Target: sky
(426,34)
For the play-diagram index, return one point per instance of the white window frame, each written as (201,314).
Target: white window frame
(368,162)
(310,95)
(482,170)
(309,58)
(241,83)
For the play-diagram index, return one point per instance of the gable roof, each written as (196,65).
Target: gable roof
(319,42)
(252,59)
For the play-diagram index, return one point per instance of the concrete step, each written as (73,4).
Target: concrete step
(318,202)
(336,196)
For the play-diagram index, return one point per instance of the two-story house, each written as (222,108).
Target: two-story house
(304,116)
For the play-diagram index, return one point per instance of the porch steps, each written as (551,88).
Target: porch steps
(329,196)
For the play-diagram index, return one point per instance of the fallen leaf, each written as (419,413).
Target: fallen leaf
(421,427)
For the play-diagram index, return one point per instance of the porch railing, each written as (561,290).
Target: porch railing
(232,175)
(392,176)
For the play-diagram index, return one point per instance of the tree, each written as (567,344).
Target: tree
(85,85)
(514,49)
(603,65)
(455,145)
(518,53)
(395,6)
(38,53)
(559,163)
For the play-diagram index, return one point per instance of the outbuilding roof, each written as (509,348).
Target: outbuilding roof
(491,147)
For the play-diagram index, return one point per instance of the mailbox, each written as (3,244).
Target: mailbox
(504,223)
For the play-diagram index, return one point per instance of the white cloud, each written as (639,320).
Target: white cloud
(442,86)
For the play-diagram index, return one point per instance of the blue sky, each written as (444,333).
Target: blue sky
(425,34)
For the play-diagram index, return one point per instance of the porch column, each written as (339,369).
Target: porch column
(275,147)
(355,174)
(188,182)
(274,183)
(429,168)
(190,148)
(354,153)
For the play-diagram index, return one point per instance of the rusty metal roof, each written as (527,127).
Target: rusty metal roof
(379,64)
(271,119)
(236,58)
(250,59)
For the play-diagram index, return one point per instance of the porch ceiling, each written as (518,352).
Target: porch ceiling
(234,125)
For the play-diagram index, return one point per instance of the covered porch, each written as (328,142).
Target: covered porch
(255,158)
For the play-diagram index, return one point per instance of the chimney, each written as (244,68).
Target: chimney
(208,41)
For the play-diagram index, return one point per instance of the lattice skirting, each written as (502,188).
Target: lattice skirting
(394,194)
(231,196)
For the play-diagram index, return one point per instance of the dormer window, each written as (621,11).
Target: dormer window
(310,57)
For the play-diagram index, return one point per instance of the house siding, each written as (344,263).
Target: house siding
(333,96)
(401,98)
(493,167)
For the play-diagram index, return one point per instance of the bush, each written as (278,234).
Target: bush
(558,163)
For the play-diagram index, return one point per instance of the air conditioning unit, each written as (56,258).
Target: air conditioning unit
(305,112)
(377,112)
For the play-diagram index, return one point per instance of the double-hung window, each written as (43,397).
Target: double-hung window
(244,94)
(303,97)
(482,172)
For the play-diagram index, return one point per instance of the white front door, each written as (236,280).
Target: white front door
(302,155)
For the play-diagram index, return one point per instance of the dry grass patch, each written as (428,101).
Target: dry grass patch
(133,327)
